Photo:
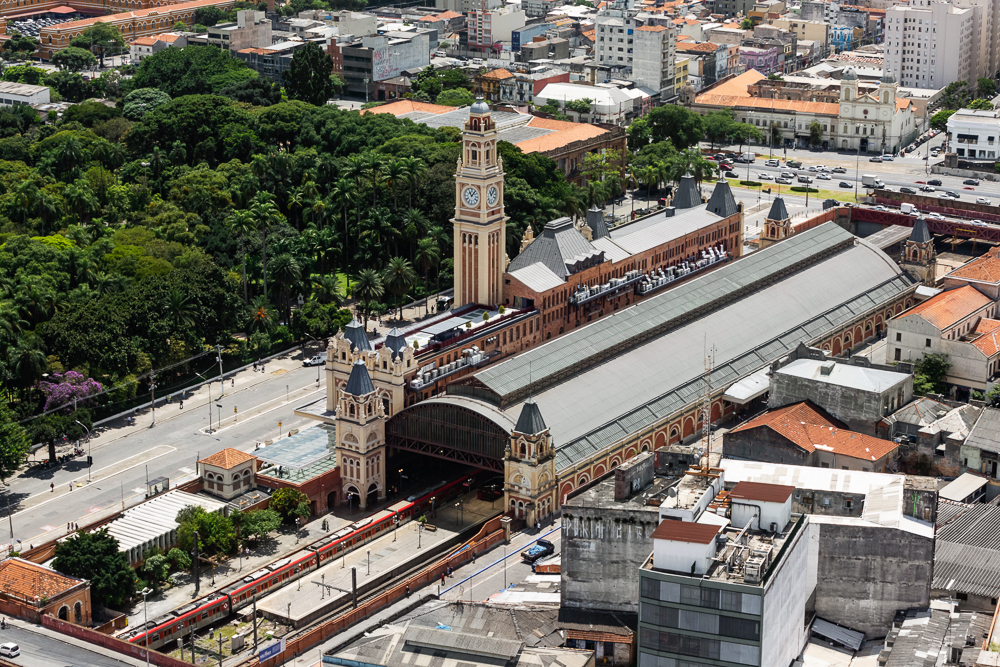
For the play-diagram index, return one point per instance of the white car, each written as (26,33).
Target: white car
(318,360)
(978,223)
(787,174)
(880,208)
(822,168)
(763,177)
(812,168)
(936,216)
(10,650)
(983,200)
(824,177)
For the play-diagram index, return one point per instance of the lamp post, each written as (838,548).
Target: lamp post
(367,80)
(461,508)
(89,460)
(145,615)
(505,566)
(209,399)
(749,118)
(219,405)
(152,396)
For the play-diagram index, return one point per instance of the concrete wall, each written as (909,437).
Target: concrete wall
(763,444)
(602,550)
(783,634)
(866,573)
(860,410)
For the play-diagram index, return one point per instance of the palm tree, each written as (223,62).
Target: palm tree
(25,196)
(395,171)
(398,277)
(27,364)
(179,308)
(427,256)
(71,154)
(374,170)
(242,224)
(414,170)
(287,272)
(414,223)
(260,169)
(327,290)
(265,216)
(297,200)
(368,288)
(354,170)
(261,317)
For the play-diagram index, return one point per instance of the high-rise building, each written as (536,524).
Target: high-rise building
(642,52)
(930,44)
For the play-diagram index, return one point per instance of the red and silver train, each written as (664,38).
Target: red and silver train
(218,606)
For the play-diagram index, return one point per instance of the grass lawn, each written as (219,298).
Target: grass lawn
(776,189)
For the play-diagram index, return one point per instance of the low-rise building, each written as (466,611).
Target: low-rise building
(366,61)
(974,134)
(270,62)
(607,105)
(981,451)
(14,94)
(489,28)
(29,591)
(967,548)
(934,428)
(228,473)
(251,30)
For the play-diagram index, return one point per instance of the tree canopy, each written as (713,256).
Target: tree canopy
(308,75)
(95,557)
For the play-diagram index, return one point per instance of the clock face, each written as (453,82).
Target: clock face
(492,195)
(471,196)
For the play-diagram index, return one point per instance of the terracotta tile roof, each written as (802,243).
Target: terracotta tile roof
(684,38)
(686,531)
(984,269)
(988,341)
(766,493)
(498,74)
(144,41)
(902,104)
(811,428)
(124,16)
(737,86)
(566,132)
(819,108)
(707,47)
(408,106)
(168,37)
(652,28)
(228,458)
(260,52)
(947,308)
(590,34)
(448,15)
(26,580)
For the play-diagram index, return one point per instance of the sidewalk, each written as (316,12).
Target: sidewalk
(73,641)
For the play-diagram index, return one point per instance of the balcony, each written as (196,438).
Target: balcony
(661,278)
(471,358)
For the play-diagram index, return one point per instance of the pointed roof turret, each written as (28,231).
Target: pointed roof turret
(778,210)
(530,420)
(722,203)
(356,333)
(360,383)
(395,341)
(687,194)
(920,233)
(595,220)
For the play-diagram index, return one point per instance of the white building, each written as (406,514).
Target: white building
(642,53)
(607,104)
(487,28)
(12,93)
(929,44)
(988,27)
(974,134)
(880,121)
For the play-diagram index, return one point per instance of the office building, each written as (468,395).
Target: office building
(929,44)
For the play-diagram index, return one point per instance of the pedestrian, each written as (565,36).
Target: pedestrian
(69,526)
(233,382)
(255,367)
(473,557)
(407,590)
(71,486)
(442,577)
(53,485)
(182,404)
(538,525)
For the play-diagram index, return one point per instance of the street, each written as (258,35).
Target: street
(43,501)
(42,650)
(495,571)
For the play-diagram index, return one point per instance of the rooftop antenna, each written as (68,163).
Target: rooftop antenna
(706,406)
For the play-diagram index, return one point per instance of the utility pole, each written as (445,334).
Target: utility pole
(255,621)
(10,519)
(220,649)
(197,568)
(222,379)
(354,587)
(706,407)
(192,646)
(152,394)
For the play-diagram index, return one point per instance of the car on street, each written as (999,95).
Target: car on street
(793,164)
(983,200)
(968,187)
(875,159)
(936,216)
(537,551)
(773,163)
(787,174)
(886,158)
(804,179)
(920,182)
(824,177)
(10,650)
(731,174)
(908,191)
(317,360)
(764,177)
(822,168)
(978,223)
(811,168)
(927,188)
(845,184)
(935,181)
(839,170)
(712,158)
(880,208)
(970,181)
(782,181)
(952,194)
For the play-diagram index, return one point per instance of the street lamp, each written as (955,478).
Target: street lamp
(145,614)
(209,399)
(218,405)
(461,508)
(89,460)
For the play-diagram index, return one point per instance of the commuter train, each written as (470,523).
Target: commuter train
(218,606)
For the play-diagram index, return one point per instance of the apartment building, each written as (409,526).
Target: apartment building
(930,44)
(491,27)
(988,40)
(643,53)
(974,134)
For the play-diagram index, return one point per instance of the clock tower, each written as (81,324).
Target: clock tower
(479,222)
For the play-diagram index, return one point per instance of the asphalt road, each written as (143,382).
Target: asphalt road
(41,651)
(170,448)
(489,576)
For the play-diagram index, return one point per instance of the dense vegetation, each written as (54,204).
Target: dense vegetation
(196,212)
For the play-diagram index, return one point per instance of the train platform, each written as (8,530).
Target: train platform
(402,549)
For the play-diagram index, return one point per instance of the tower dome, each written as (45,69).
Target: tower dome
(849,75)
(480,106)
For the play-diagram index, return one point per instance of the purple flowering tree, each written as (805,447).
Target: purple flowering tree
(66,387)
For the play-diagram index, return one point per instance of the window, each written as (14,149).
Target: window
(927,342)
(899,337)
(897,355)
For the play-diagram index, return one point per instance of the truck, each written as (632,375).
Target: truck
(748,158)
(871,181)
(908,209)
(537,551)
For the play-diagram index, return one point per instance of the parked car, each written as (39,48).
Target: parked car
(824,177)
(927,188)
(839,170)
(875,159)
(935,181)
(970,181)
(537,551)
(908,191)
(782,181)
(845,184)
(731,174)
(983,200)
(764,177)
(10,650)
(886,158)
(936,216)
(318,360)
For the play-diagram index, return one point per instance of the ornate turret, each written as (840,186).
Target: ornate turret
(529,467)
(360,438)
(919,258)
(687,194)
(777,225)
(386,366)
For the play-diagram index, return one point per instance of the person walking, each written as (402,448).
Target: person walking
(53,486)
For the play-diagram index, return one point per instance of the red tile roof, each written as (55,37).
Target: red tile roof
(948,308)
(821,108)
(408,106)
(166,10)
(686,531)
(228,458)
(984,269)
(652,28)
(767,493)
(144,41)
(497,74)
(811,428)
(26,580)
(988,341)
